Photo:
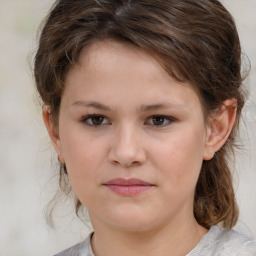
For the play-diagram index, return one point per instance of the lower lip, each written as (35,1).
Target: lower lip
(130,190)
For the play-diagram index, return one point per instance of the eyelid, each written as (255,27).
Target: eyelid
(88,117)
(170,120)
(167,120)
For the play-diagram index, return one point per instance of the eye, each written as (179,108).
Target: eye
(160,120)
(95,120)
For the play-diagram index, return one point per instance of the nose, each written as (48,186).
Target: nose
(126,148)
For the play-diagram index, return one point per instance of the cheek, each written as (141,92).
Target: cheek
(82,154)
(83,159)
(181,156)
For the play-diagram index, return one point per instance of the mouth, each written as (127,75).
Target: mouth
(128,187)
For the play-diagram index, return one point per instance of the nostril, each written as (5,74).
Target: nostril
(115,162)
(126,163)
(127,149)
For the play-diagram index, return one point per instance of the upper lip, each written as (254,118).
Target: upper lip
(128,182)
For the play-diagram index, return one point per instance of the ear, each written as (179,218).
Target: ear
(52,131)
(220,128)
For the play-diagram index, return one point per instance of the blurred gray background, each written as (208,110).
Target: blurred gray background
(27,158)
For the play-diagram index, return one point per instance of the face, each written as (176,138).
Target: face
(133,139)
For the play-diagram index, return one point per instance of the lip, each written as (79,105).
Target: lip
(128,187)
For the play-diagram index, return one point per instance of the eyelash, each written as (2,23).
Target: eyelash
(88,120)
(166,118)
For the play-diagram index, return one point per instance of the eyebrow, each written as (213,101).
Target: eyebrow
(143,108)
(159,106)
(92,104)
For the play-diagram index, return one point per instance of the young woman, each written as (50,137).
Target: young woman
(142,101)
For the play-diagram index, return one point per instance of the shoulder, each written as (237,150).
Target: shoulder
(81,249)
(231,242)
(72,251)
(223,242)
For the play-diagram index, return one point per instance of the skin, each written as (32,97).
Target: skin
(127,88)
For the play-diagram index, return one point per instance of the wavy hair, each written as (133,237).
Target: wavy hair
(194,40)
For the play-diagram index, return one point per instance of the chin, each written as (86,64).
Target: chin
(132,222)
(135,226)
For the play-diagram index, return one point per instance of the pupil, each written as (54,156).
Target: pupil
(97,120)
(159,120)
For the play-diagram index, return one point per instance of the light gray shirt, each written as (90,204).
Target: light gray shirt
(217,242)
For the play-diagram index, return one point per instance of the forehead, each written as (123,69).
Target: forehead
(111,57)
(105,54)
(110,67)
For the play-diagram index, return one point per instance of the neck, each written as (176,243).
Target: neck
(175,239)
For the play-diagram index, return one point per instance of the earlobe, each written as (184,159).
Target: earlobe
(220,128)
(53,133)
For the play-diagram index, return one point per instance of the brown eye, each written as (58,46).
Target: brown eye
(158,120)
(95,120)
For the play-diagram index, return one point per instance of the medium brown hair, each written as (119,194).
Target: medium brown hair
(195,40)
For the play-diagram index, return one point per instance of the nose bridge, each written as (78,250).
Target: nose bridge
(127,148)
